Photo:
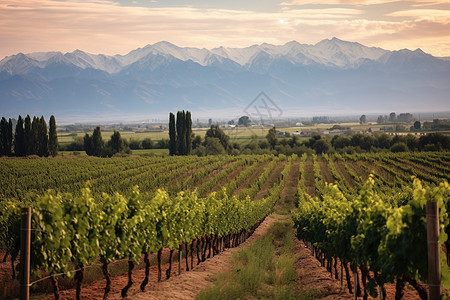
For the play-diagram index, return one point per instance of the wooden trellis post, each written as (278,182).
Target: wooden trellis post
(25,249)
(434,265)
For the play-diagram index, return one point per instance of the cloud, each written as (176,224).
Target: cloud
(354,2)
(436,15)
(101,26)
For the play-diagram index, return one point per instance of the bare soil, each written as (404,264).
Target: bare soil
(325,171)
(341,170)
(312,276)
(309,173)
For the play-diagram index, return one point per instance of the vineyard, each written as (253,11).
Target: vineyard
(361,210)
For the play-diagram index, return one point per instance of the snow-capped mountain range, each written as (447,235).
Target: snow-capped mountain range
(330,76)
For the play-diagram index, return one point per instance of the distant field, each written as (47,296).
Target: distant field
(238,134)
(157,152)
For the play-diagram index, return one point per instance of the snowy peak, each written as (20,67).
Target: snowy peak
(332,75)
(412,61)
(18,64)
(329,53)
(343,54)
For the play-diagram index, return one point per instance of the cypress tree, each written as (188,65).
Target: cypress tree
(180,133)
(97,142)
(172,135)
(3,125)
(29,141)
(9,138)
(188,122)
(19,139)
(88,145)
(52,138)
(117,143)
(43,138)
(35,144)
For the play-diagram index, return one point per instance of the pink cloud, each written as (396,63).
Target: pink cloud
(106,27)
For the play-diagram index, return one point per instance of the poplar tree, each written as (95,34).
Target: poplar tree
(35,134)
(88,145)
(43,138)
(29,139)
(181,133)
(3,125)
(172,135)
(9,138)
(97,142)
(188,123)
(52,138)
(117,143)
(19,139)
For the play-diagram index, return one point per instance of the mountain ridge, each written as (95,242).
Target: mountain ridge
(332,75)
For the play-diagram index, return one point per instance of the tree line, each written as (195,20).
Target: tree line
(95,146)
(217,142)
(29,137)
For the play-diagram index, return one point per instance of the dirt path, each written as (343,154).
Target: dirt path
(325,171)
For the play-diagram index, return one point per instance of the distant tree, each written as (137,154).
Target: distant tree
(148,144)
(392,117)
(29,137)
(97,142)
(213,146)
(88,144)
(181,132)
(244,121)
(162,144)
(35,125)
(363,119)
(399,147)
(340,141)
(4,137)
(405,118)
(43,137)
(52,137)
(263,144)
(196,141)
(380,119)
(9,138)
(412,142)
(135,144)
(76,145)
(188,133)
(417,125)
(209,122)
(384,141)
(116,143)
(293,141)
(272,137)
(322,146)
(19,138)
(172,135)
(1,138)
(215,132)
(435,141)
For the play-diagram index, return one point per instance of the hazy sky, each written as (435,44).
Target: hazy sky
(117,27)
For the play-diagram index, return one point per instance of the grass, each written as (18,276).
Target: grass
(263,270)
(155,152)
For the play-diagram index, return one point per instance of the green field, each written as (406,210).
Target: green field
(238,134)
